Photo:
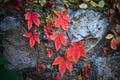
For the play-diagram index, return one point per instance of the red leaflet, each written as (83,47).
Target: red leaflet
(114,43)
(47,29)
(63,64)
(33,37)
(86,69)
(49,50)
(41,66)
(13,4)
(62,20)
(32,18)
(76,51)
(56,77)
(59,39)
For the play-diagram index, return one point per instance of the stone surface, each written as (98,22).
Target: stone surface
(16,48)
(9,23)
(107,68)
(87,25)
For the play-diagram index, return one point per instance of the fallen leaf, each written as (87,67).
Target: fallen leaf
(101,4)
(80,77)
(109,36)
(83,6)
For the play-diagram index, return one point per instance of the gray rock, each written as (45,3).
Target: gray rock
(9,23)
(87,25)
(107,67)
(17,50)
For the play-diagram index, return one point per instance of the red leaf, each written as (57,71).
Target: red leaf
(37,39)
(57,44)
(35,18)
(63,64)
(49,50)
(47,29)
(68,65)
(79,44)
(54,36)
(82,52)
(62,20)
(62,67)
(76,51)
(33,38)
(56,77)
(113,44)
(27,35)
(62,39)
(59,39)
(58,60)
(32,18)
(32,41)
(76,55)
(86,69)
(40,66)
(73,43)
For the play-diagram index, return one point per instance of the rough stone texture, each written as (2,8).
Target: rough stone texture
(8,23)
(107,67)
(17,50)
(87,25)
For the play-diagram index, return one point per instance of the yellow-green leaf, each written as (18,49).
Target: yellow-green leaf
(55,12)
(101,3)
(86,0)
(109,36)
(94,4)
(83,6)
(42,2)
(47,18)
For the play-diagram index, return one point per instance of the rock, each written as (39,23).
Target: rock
(87,25)
(17,50)
(107,67)
(9,23)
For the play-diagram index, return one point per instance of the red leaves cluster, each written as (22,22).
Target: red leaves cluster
(32,38)
(32,18)
(62,20)
(59,39)
(63,64)
(16,4)
(76,51)
(72,54)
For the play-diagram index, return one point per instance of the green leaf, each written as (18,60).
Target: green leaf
(83,6)
(101,3)
(3,61)
(42,2)
(86,0)
(71,1)
(94,4)
(9,75)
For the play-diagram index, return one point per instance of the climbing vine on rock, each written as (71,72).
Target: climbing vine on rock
(60,24)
